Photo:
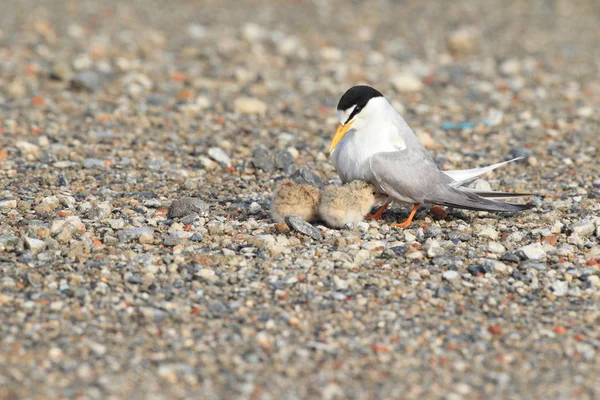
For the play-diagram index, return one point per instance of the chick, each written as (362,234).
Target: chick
(348,203)
(295,199)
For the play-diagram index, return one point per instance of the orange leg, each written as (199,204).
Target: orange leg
(377,215)
(410,217)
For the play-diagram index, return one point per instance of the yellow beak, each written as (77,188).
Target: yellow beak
(339,135)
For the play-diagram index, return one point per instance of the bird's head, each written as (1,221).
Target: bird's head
(354,109)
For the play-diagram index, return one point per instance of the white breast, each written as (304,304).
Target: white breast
(351,156)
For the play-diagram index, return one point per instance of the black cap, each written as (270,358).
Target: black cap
(358,96)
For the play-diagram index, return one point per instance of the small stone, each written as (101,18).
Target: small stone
(196,237)
(593,280)
(495,247)
(146,238)
(254,208)
(91,163)
(584,228)
(477,270)
(208,275)
(172,240)
(61,181)
(283,159)
(462,41)
(8,243)
(100,211)
(305,176)
(510,257)
(261,158)
(340,284)
(35,245)
(35,279)
(134,279)
(560,288)
(128,235)
(406,82)
(414,276)
(450,275)
(219,156)
(249,105)
(61,71)
(29,150)
(115,223)
(487,232)
(89,80)
(303,227)
(187,206)
(510,67)
(190,219)
(8,204)
(534,251)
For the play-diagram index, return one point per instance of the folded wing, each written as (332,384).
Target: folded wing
(413,176)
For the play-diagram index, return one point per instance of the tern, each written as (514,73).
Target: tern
(374,143)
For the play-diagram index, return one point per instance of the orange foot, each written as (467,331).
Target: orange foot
(410,217)
(378,214)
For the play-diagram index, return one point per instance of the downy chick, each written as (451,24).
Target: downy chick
(295,199)
(350,203)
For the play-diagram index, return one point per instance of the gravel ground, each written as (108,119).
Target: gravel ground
(112,111)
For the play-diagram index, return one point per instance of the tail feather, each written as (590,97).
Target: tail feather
(465,176)
(459,198)
(490,194)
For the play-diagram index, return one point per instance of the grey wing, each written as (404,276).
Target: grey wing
(413,176)
(408,175)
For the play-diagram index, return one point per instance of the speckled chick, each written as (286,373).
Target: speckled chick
(295,199)
(348,203)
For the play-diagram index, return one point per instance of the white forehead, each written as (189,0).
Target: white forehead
(343,115)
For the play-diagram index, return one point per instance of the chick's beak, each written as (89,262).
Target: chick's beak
(339,135)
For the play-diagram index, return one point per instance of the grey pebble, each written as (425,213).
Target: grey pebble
(283,159)
(90,80)
(303,227)
(220,156)
(128,235)
(187,206)
(304,175)
(261,158)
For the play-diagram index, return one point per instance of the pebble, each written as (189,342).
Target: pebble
(261,158)
(91,163)
(90,80)
(283,159)
(510,67)
(219,156)
(496,247)
(560,288)
(29,150)
(304,175)
(249,105)
(462,41)
(584,228)
(533,251)
(406,82)
(303,227)
(254,208)
(450,275)
(188,206)
(8,204)
(128,235)
(35,245)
